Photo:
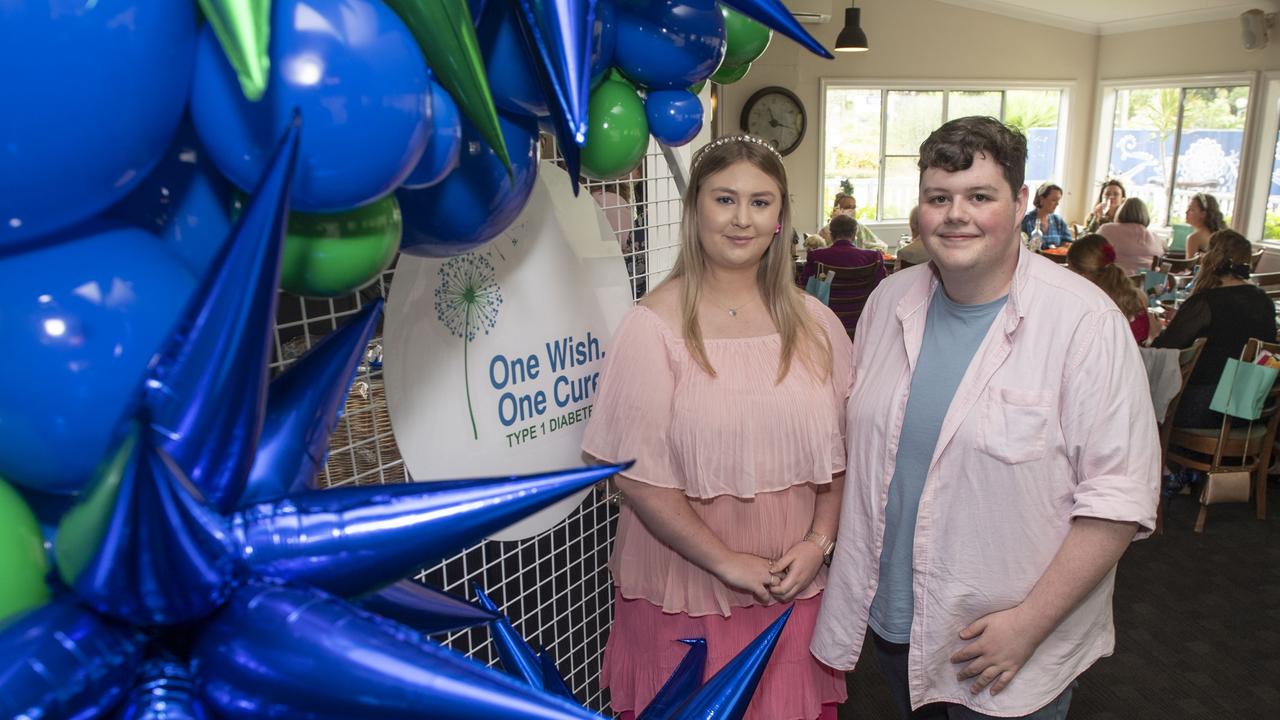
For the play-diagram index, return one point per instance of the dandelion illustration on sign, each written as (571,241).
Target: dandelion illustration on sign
(467,301)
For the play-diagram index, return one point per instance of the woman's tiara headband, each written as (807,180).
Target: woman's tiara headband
(733,139)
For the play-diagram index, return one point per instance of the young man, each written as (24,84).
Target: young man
(1002,455)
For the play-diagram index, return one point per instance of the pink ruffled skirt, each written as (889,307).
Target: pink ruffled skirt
(642,651)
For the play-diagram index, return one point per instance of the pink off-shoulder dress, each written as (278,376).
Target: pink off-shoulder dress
(749,453)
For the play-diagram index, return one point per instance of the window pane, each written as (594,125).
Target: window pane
(852,149)
(1209,151)
(1142,145)
(1035,114)
(1271,221)
(913,116)
(964,103)
(901,186)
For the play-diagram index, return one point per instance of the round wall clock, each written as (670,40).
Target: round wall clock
(777,115)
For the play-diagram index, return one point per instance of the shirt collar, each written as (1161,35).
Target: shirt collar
(917,298)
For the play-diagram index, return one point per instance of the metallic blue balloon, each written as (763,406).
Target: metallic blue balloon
(675,116)
(303,407)
(81,319)
(352,541)
(444,144)
(93,90)
(478,200)
(517,658)
(424,609)
(184,201)
(165,690)
(62,661)
(683,683)
(559,33)
(207,391)
(669,44)
(604,38)
(141,546)
(552,681)
(513,74)
(296,653)
(775,16)
(354,71)
(728,693)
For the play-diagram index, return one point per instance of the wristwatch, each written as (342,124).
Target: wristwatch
(827,544)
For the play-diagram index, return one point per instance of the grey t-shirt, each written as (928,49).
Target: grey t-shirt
(952,334)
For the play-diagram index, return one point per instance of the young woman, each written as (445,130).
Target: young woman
(727,385)
(1094,258)
(1109,199)
(1205,219)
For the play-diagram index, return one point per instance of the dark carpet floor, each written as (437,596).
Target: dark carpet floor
(1197,626)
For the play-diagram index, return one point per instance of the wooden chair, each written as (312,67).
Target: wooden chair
(1179,266)
(1187,360)
(1256,258)
(1242,447)
(850,288)
(1270,282)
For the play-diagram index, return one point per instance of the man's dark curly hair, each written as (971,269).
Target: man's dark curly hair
(953,147)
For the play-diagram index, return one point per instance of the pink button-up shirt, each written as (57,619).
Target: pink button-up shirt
(1052,420)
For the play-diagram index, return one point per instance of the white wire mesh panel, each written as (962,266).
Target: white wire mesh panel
(555,587)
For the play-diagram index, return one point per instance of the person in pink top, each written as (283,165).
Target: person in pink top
(1135,246)
(727,386)
(1002,455)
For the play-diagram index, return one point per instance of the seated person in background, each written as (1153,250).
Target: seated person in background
(1052,226)
(842,252)
(914,252)
(1205,219)
(1135,246)
(848,206)
(814,242)
(1109,199)
(1228,310)
(1093,257)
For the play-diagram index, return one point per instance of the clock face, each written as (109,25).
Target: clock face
(776,115)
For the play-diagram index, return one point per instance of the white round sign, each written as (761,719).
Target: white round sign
(492,359)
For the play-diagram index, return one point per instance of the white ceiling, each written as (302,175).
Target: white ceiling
(1105,17)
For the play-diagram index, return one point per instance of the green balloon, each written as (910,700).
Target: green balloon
(82,528)
(243,29)
(745,39)
(23,563)
(697,89)
(447,37)
(726,74)
(331,254)
(617,134)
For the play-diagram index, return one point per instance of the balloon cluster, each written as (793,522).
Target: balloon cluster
(159,540)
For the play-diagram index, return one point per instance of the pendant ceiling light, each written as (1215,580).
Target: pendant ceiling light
(852,38)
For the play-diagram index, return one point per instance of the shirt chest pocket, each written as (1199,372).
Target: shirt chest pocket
(1015,424)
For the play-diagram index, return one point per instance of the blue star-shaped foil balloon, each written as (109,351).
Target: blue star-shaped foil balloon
(203,578)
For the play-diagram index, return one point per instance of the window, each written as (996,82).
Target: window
(872,138)
(1169,143)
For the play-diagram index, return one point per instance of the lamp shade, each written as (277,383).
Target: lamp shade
(851,38)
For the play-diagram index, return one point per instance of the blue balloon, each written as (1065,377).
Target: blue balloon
(513,76)
(675,116)
(775,16)
(82,317)
(728,693)
(478,200)
(354,540)
(184,201)
(207,390)
(559,32)
(669,44)
(424,609)
(604,38)
(444,145)
(683,683)
(90,102)
(165,690)
(303,406)
(517,658)
(552,681)
(296,653)
(62,661)
(354,71)
(141,546)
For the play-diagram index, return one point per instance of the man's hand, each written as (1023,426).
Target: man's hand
(1002,643)
(796,569)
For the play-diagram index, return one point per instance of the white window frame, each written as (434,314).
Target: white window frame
(1067,89)
(1106,104)
(1267,119)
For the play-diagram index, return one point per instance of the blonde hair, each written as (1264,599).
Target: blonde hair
(775,277)
(1090,258)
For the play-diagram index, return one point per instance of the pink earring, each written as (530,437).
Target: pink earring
(778,230)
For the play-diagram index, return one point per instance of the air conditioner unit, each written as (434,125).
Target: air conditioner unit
(810,12)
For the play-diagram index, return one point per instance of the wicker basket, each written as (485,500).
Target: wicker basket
(362,450)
